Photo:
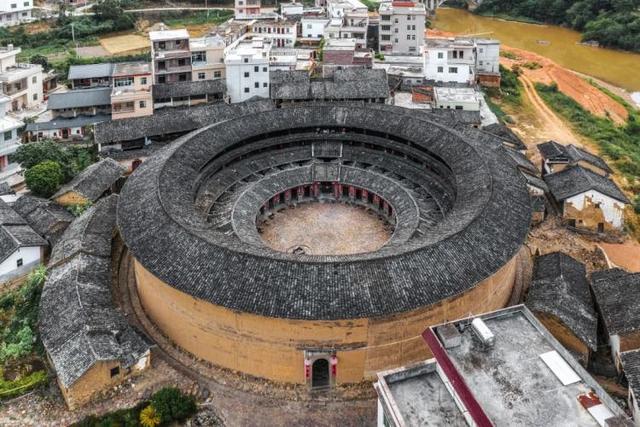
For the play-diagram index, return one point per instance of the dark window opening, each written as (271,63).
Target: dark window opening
(115,371)
(320,373)
(19,262)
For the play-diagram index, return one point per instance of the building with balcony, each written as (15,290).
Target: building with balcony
(131,93)
(14,12)
(247,9)
(282,33)
(22,83)
(248,70)
(402,25)
(355,19)
(207,58)
(449,60)
(90,75)
(9,142)
(171,56)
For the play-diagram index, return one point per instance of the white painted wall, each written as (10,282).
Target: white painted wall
(313,28)
(29,255)
(242,78)
(488,56)
(438,68)
(612,209)
(13,12)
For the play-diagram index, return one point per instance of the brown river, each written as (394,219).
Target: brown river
(556,43)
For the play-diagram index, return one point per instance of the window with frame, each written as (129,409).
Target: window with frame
(453,70)
(245,60)
(34,79)
(202,76)
(386,28)
(182,78)
(14,5)
(441,69)
(26,4)
(198,57)
(19,262)
(182,62)
(264,69)
(143,80)
(217,74)
(246,90)
(162,45)
(408,37)
(8,135)
(143,104)
(35,96)
(386,37)
(256,69)
(256,85)
(123,81)
(246,74)
(385,18)
(440,55)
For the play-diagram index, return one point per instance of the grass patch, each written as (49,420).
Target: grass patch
(21,353)
(199,18)
(508,95)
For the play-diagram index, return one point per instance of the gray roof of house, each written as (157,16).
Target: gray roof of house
(560,288)
(523,162)
(617,295)
(196,87)
(536,181)
(631,366)
(484,228)
(168,121)
(61,122)
(350,83)
(80,98)
(15,232)
(95,180)
(79,324)
(552,150)
(506,134)
(5,189)
(90,71)
(576,180)
(47,218)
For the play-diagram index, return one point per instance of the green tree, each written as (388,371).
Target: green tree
(172,405)
(42,60)
(29,155)
(44,178)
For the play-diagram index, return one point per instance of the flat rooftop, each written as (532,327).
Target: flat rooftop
(131,69)
(168,35)
(448,42)
(511,381)
(456,94)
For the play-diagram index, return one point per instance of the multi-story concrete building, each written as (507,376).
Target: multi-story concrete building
(402,25)
(207,58)
(14,12)
(131,94)
(449,60)
(9,142)
(246,9)
(488,62)
(248,69)
(355,19)
(282,33)
(90,75)
(313,28)
(171,56)
(22,83)
(291,9)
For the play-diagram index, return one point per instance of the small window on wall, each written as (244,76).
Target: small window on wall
(143,104)
(19,263)
(34,79)
(143,80)
(8,135)
(217,74)
(115,371)
(201,76)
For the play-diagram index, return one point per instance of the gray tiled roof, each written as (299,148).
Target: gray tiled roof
(15,232)
(617,295)
(79,324)
(196,87)
(80,98)
(95,180)
(48,219)
(350,83)
(5,189)
(90,71)
(631,366)
(576,180)
(483,230)
(61,122)
(560,288)
(552,150)
(506,134)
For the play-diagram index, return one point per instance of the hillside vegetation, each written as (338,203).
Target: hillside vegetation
(612,23)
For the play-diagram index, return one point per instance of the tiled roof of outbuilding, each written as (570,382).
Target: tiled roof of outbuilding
(79,324)
(551,150)
(576,180)
(15,232)
(47,218)
(617,295)
(95,180)
(484,229)
(196,87)
(560,288)
(631,366)
(506,134)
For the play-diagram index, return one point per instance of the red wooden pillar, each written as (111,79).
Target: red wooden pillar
(365,195)
(316,189)
(352,192)
(287,196)
(376,200)
(300,192)
(337,190)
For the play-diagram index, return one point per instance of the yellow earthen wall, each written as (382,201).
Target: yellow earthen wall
(273,348)
(565,336)
(97,378)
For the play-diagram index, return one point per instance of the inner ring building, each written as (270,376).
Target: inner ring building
(455,207)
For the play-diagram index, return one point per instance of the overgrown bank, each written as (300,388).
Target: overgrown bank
(611,23)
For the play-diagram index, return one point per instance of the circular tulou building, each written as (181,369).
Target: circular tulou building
(232,265)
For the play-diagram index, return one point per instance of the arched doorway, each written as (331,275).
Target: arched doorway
(320,373)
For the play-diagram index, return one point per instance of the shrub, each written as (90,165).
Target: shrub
(44,178)
(149,417)
(636,205)
(172,405)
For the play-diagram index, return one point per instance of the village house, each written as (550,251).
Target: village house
(342,53)
(535,183)
(21,248)
(88,341)
(47,218)
(587,200)
(617,297)
(449,60)
(485,370)
(456,98)
(631,366)
(557,157)
(402,25)
(188,93)
(171,56)
(83,102)
(313,28)
(488,62)
(281,33)
(90,75)
(355,20)
(9,143)
(131,93)
(560,298)
(21,82)
(246,9)
(90,184)
(248,69)
(293,9)
(507,136)
(14,12)
(207,58)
